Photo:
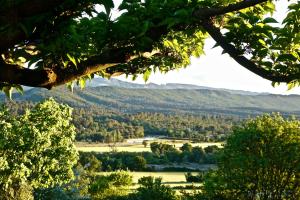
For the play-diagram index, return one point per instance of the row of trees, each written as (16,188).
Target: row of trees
(110,127)
(99,125)
(161,154)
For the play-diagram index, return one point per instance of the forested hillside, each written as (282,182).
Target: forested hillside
(126,97)
(113,110)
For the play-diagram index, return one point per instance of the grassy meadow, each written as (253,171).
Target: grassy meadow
(174,180)
(136,147)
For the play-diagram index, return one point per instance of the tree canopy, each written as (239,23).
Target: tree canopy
(36,149)
(49,43)
(260,160)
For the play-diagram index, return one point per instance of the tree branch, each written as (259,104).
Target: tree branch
(211,12)
(53,76)
(50,77)
(242,60)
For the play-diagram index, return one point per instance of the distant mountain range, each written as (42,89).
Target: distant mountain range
(97,82)
(125,97)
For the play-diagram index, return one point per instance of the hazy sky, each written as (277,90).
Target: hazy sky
(221,71)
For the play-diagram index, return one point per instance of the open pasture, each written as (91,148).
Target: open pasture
(167,177)
(136,147)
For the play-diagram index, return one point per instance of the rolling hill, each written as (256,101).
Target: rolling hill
(127,97)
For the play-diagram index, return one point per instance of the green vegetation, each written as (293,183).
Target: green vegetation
(130,100)
(195,178)
(152,188)
(261,154)
(100,125)
(110,186)
(162,154)
(36,149)
(261,160)
(59,42)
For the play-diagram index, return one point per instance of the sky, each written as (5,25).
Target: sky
(220,71)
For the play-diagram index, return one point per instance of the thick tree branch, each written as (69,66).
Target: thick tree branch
(242,60)
(211,12)
(50,77)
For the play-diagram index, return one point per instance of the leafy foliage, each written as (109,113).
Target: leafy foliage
(260,160)
(72,41)
(136,161)
(36,149)
(110,186)
(152,188)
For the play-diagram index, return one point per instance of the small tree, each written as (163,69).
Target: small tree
(186,147)
(139,163)
(36,149)
(152,188)
(145,143)
(261,160)
(92,164)
(110,186)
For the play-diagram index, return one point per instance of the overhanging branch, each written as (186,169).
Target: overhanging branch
(53,76)
(57,75)
(216,34)
(211,12)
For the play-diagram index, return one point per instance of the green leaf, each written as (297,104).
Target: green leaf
(216,45)
(24,29)
(72,59)
(262,42)
(8,91)
(270,20)
(275,84)
(144,29)
(82,83)
(291,85)
(181,13)
(70,86)
(19,88)
(146,75)
(286,57)
(108,4)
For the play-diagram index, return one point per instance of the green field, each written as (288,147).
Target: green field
(172,179)
(100,147)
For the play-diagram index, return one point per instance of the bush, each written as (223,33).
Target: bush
(109,186)
(195,178)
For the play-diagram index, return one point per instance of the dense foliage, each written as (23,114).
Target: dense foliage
(36,149)
(96,124)
(58,42)
(261,160)
(110,186)
(261,154)
(162,154)
(115,128)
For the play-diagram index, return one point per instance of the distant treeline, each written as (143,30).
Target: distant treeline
(161,154)
(95,124)
(110,127)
